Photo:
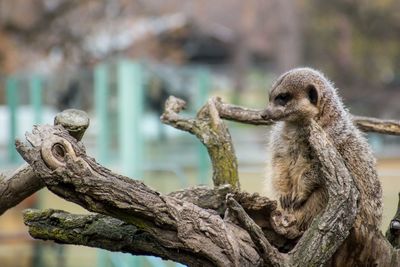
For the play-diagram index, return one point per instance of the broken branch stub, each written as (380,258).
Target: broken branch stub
(208,127)
(23,182)
(74,121)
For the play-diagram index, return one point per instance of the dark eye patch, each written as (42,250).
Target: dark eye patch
(312,94)
(283,98)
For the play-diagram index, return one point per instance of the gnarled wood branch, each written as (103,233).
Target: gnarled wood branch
(212,132)
(184,226)
(23,182)
(108,233)
(63,166)
(175,224)
(254,116)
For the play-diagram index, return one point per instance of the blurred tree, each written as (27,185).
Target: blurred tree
(355,42)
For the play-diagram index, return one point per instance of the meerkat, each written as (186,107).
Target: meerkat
(296,98)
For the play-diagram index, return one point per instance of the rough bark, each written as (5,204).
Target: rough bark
(212,132)
(179,225)
(255,117)
(175,224)
(327,232)
(23,182)
(109,233)
(187,225)
(366,124)
(18,186)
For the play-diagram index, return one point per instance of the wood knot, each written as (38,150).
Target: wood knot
(54,152)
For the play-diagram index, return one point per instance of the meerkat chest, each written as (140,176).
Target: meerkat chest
(291,159)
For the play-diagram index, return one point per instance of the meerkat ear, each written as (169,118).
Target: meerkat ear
(312,94)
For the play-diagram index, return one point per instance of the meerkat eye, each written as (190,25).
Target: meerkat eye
(282,99)
(312,94)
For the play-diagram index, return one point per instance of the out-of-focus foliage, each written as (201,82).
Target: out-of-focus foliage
(358,41)
(355,42)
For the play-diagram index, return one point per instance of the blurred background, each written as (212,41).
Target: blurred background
(120,59)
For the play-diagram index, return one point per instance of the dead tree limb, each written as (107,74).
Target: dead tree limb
(62,164)
(255,117)
(212,132)
(67,171)
(18,186)
(175,224)
(270,254)
(391,127)
(23,182)
(107,233)
(328,230)
(180,230)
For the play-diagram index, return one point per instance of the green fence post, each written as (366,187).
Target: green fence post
(101,88)
(130,113)
(131,97)
(203,86)
(12,101)
(35,90)
(101,95)
(35,86)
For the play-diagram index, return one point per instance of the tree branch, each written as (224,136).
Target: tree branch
(18,186)
(172,223)
(391,127)
(328,230)
(270,254)
(178,225)
(212,132)
(255,117)
(105,232)
(23,182)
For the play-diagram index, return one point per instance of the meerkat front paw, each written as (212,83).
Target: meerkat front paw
(298,201)
(285,201)
(292,201)
(285,224)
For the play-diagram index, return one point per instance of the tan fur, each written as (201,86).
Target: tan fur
(296,178)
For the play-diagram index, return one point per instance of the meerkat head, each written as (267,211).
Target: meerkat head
(296,96)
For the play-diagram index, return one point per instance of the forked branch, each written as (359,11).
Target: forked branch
(202,235)
(212,132)
(187,225)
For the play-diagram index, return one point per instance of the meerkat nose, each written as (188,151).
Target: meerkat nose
(266,114)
